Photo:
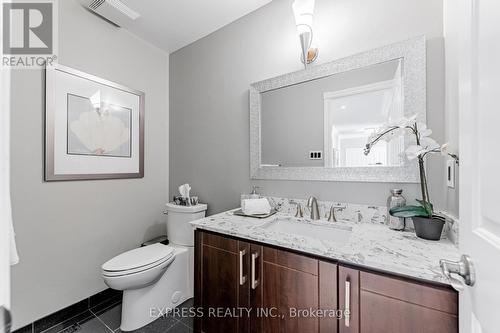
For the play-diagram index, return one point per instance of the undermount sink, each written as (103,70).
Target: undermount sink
(314,229)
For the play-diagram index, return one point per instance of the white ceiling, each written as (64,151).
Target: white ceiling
(173,24)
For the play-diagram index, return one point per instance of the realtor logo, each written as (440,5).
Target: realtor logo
(27,28)
(28,33)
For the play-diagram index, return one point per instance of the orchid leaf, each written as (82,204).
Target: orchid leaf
(427,206)
(408,211)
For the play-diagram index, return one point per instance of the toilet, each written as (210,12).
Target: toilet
(156,277)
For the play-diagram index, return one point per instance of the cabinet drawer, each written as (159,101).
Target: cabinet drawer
(379,313)
(291,260)
(428,296)
(220,242)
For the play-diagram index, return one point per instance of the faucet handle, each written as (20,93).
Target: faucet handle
(331,216)
(299,212)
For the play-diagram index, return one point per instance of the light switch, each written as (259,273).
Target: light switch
(450,173)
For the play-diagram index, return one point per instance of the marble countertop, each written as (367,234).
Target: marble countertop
(370,245)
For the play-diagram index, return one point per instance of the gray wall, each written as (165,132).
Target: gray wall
(66,230)
(209,82)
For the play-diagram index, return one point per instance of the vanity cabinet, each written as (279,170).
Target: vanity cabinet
(378,303)
(284,290)
(218,284)
(278,286)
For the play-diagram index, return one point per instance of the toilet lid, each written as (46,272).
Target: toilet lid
(137,258)
(160,263)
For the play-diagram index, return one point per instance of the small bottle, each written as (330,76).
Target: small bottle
(253,195)
(395,200)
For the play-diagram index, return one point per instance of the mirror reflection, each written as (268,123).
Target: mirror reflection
(326,122)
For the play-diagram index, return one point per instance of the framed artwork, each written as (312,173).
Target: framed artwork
(94,128)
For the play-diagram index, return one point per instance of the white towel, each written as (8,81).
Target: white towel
(14,256)
(255,206)
(5,207)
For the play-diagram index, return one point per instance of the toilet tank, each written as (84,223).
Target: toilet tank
(179,230)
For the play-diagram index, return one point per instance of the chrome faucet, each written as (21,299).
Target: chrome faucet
(312,204)
(332,217)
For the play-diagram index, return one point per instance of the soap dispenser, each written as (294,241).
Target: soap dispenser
(252,195)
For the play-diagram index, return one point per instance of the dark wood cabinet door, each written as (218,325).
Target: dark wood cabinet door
(220,284)
(380,303)
(395,305)
(348,280)
(384,314)
(291,287)
(328,297)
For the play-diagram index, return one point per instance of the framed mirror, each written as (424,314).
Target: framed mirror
(314,124)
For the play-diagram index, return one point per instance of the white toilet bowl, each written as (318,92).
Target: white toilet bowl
(157,277)
(138,268)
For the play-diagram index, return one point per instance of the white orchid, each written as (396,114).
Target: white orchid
(399,126)
(391,130)
(423,130)
(396,133)
(427,145)
(414,151)
(424,145)
(444,149)
(408,122)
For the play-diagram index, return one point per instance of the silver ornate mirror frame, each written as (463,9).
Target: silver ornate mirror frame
(413,53)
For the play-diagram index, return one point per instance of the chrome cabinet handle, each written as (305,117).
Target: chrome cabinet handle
(243,278)
(255,282)
(347,311)
(459,273)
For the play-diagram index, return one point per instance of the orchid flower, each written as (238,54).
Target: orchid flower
(390,131)
(424,145)
(427,145)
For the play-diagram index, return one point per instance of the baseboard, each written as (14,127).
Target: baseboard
(66,317)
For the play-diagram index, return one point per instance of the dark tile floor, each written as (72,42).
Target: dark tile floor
(107,319)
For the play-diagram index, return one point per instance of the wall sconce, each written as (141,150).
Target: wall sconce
(304,12)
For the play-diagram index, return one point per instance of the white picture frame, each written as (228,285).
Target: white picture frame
(94,128)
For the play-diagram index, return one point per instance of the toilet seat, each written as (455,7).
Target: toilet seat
(138,260)
(136,270)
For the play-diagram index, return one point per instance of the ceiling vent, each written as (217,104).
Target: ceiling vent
(113,11)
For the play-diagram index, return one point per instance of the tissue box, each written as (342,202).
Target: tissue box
(181,201)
